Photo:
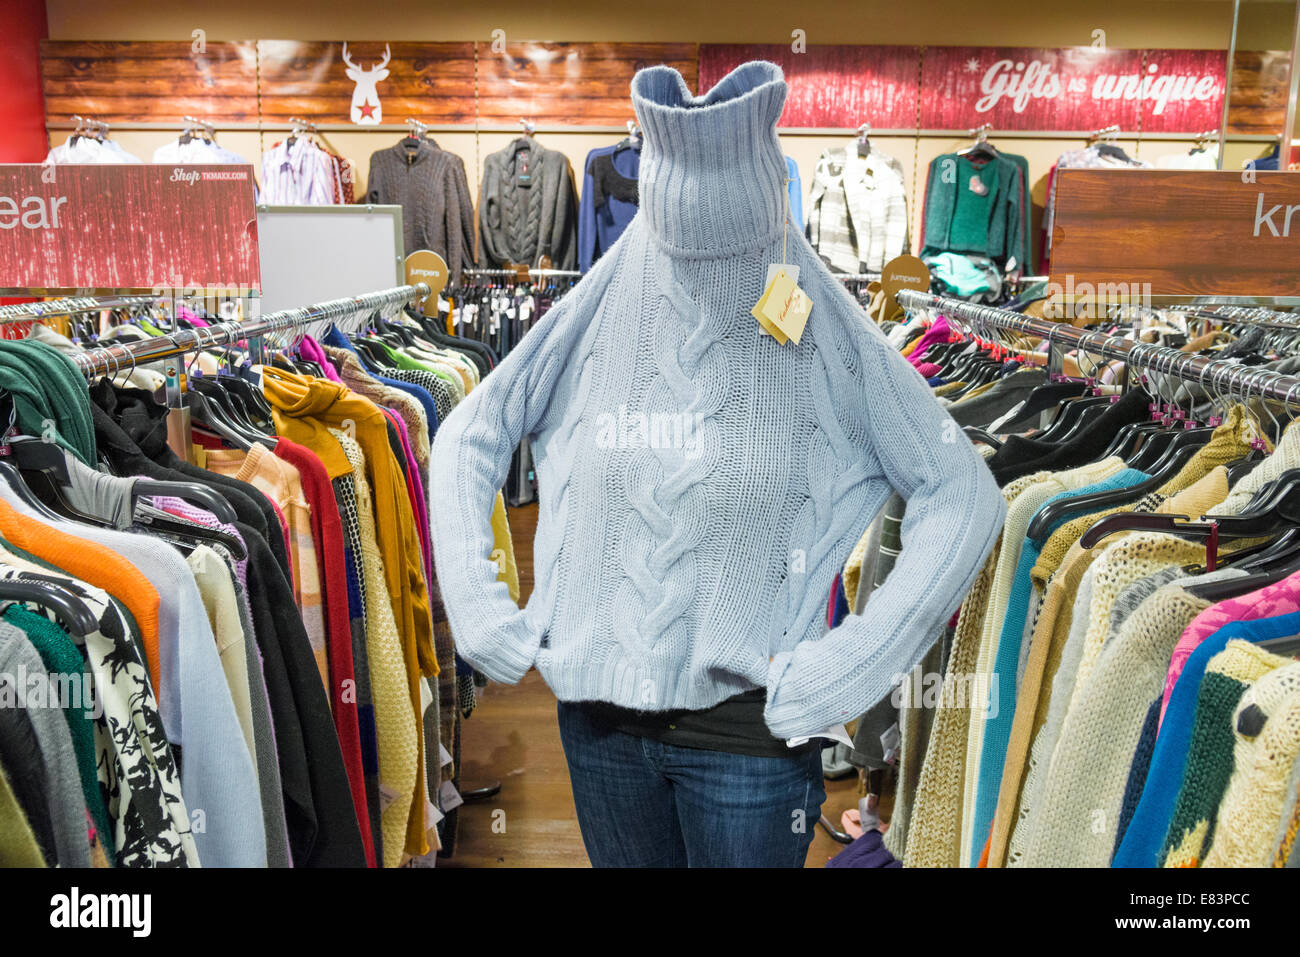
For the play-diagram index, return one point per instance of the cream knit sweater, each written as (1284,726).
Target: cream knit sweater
(1020,512)
(934,832)
(1076,819)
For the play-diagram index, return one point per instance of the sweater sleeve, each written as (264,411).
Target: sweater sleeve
(954,513)
(564,242)
(468,464)
(587,216)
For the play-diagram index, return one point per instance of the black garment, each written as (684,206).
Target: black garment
(318,808)
(20,756)
(735,726)
(1020,456)
(606,181)
(528,207)
(1006,394)
(131,433)
(431,187)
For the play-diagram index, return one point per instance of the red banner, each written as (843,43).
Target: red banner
(1073,89)
(127,227)
(1013,88)
(838,86)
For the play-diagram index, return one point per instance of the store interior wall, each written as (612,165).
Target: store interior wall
(1139,23)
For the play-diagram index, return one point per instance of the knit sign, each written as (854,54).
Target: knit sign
(127,227)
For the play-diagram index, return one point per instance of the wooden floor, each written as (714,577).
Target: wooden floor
(513,737)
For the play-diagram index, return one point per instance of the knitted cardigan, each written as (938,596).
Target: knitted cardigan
(934,831)
(1075,820)
(521,224)
(395,718)
(1129,557)
(675,577)
(1262,759)
(1142,843)
(437,211)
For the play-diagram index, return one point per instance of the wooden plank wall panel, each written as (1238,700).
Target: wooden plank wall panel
(1258,96)
(431,82)
(571,84)
(1186,232)
(149,82)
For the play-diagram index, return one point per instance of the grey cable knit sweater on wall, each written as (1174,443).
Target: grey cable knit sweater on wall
(674,574)
(521,224)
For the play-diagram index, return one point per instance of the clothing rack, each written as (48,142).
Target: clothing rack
(1227,378)
(72,306)
(1246,316)
(110,359)
(511,273)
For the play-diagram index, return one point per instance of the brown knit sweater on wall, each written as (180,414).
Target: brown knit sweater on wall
(431,187)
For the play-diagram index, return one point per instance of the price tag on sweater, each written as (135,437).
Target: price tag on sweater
(783,308)
(840,735)
(449,797)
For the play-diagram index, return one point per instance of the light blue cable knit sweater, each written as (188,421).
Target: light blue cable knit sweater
(700,485)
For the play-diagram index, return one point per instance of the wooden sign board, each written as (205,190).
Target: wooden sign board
(1176,233)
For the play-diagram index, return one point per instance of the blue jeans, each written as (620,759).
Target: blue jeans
(642,803)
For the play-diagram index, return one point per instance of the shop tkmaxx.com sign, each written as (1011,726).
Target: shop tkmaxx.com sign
(1010,88)
(137,227)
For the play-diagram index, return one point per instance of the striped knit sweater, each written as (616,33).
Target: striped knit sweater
(1262,761)
(1210,756)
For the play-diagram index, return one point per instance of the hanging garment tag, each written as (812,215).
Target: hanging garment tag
(783,309)
(840,734)
(444,756)
(449,797)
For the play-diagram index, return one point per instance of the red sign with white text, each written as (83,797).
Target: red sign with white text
(127,227)
(1077,88)
(1073,89)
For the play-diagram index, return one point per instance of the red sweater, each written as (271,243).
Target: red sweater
(327,536)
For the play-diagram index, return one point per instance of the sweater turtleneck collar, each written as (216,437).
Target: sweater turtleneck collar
(713,177)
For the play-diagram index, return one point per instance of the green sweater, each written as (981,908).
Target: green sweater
(977,209)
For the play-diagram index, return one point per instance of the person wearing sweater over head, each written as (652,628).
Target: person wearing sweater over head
(684,573)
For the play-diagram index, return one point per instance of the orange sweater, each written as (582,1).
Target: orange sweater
(95,564)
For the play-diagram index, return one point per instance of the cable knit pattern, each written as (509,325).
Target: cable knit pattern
(1262,762)
(700,484)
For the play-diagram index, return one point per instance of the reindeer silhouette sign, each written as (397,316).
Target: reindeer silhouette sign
(366,109)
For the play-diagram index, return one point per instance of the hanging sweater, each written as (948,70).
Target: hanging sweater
(1144,839)
(527,207)
(1266,729)
(1210,754)
(430,186)
(676,577)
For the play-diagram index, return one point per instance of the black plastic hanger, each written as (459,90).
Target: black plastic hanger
(72,612)
(1099,501)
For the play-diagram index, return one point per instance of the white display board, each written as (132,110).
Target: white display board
(313,253)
